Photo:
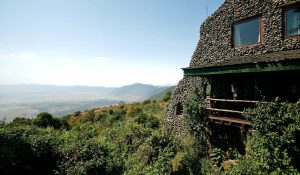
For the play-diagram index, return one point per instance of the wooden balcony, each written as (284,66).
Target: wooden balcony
(218,116)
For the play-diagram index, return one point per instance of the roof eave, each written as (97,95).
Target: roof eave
(285,65)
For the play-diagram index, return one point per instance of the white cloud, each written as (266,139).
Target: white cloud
(22,56)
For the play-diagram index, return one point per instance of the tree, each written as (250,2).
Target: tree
(45,119)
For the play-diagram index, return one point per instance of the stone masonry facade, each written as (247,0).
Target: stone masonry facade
(215,46)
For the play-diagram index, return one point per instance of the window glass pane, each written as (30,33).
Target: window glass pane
(247,32)
(293,22)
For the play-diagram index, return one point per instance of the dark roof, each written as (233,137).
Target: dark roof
(262,58)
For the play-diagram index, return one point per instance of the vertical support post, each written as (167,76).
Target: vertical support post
(256,90)
(211,91)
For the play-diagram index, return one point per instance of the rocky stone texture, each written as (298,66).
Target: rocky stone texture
(216,48)
(184,88)
(216,44)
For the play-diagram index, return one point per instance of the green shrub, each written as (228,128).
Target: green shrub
(274,147)
(102,142)
(46,155)
(167,96)
(90,116)
(147,121)
(102,117)
(45,119)
(64,123)
(21,121)
(90,158)
(16,156)
(146,102)
(28,150)
(77,113)
(154,156)
(117,115)
(217,156)
(196,121)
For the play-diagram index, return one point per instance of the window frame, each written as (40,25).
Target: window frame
(287,8)
(179,108)
(259,17)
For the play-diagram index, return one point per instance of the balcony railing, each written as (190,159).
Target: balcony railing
(216,113)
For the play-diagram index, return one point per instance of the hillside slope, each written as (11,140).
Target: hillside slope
(137,92)
(132,139)
(160,95)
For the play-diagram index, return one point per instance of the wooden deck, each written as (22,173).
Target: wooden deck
(225,110)
(216,114)
(229,121)
(236,101)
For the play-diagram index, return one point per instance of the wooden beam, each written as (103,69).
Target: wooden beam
(225,110)
(228,120)
(235,101)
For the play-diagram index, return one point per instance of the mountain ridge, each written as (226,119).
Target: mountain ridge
(132,92)
(28,100)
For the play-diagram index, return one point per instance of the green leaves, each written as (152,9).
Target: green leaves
(130,139)
(217,156)
(196,120)
(147,120)
(274,117)
(45,119)
(274,148)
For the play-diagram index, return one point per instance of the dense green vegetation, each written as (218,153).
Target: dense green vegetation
(122,139)
(131,139)
(272,148)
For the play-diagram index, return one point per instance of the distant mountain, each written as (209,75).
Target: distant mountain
(28,100)
(137,91)
(44,93)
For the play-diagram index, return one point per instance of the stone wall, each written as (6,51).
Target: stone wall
(216,34)
(184,88)
(215,45)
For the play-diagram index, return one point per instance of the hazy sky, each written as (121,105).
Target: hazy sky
(98,42)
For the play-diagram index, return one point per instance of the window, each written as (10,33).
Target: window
(292,21)
(179,108)
(247,32)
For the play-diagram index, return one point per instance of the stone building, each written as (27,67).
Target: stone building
(249,51)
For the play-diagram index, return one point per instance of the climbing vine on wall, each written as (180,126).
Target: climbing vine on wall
(196,120)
